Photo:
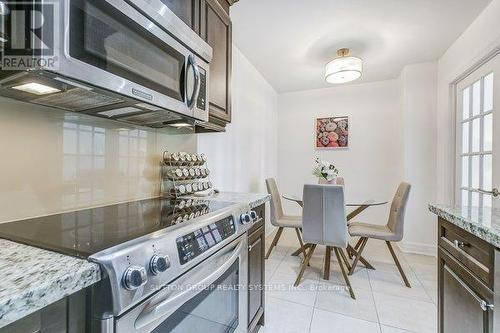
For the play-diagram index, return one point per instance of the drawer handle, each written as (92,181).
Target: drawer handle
(460,244)
(485,306)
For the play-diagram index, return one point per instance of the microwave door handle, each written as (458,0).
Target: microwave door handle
(170,305)
(197,82)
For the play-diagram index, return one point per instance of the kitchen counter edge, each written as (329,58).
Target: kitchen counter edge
(481,222)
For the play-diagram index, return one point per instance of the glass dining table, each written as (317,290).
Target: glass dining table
(360,206)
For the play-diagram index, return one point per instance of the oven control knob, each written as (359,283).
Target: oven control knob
(159,264)
(245,218)
(134,277)
(253,215)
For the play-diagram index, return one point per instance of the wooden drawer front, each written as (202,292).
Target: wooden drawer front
(471,251)
(260,210)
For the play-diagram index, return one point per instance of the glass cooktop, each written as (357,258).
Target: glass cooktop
(85,232)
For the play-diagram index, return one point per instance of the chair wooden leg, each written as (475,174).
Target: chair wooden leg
(304,264)
(344,272)
(344,258)
(328,254)
(274,242)
(400,269)
(358,255)
(299,237)
(356,247)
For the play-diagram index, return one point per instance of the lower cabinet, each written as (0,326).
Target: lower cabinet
(465,305)
(465,299)
(256,271)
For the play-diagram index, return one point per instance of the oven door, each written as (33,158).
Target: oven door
(211,297)
(111,45)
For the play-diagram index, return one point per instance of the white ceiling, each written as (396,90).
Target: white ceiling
(290,41)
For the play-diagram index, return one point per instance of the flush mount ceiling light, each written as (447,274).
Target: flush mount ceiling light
(36,88)
(343,69)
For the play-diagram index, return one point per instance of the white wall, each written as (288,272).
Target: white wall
(477,41)
(246,154)
(372,166)
(419,94)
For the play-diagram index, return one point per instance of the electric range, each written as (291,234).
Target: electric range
(151,253)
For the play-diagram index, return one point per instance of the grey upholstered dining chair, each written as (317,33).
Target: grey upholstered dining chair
(391,232)
(278,217)
(324,223)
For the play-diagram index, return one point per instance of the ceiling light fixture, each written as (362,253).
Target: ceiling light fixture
(36,88)
(343,69)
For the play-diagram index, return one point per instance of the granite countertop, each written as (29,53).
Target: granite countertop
(252,199)
(33,278)
(481,222)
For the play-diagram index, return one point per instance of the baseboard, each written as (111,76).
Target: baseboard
(418,248)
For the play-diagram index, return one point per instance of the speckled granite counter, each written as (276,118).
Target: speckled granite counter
(33,278)
(483,223)
(252,199)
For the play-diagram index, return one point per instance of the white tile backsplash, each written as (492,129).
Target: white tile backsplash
(54,161)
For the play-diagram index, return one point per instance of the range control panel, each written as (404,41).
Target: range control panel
(193,244)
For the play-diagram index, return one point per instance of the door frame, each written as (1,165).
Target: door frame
(453,109)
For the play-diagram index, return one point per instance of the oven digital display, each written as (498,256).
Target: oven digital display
(193,244)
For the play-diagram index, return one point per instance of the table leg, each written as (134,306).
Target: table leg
(351,251)
(300,250)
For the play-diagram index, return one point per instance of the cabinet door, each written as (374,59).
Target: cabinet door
(255,276)
(216,30)
(463,299)
(186,10)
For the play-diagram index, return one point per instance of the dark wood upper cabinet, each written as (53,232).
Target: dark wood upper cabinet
(210,19)
(186,10)
(215,29)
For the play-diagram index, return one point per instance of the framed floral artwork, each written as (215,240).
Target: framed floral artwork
(332,133)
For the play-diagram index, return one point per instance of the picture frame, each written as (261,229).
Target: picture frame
(332,133)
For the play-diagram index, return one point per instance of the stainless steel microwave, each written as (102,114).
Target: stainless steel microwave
(132,61)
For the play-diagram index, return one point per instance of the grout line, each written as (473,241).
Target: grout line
(311,321)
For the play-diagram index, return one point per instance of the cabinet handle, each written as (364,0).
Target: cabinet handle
(485,306)
(460,244)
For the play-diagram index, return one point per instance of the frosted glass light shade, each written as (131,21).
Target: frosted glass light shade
(344,69)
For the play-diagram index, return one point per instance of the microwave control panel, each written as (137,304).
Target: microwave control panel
(195,243)
(201,102)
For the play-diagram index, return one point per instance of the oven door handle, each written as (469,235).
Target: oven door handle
(171,304)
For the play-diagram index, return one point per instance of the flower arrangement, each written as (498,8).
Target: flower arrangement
(325,169)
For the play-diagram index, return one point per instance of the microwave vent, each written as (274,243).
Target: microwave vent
(151,118)
(76,99)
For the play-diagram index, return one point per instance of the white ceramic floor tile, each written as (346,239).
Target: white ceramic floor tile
(420,259)
(283,316)
(425,271)
(271,265)
(281,286)
(338,300)
(404,313)
(328,322)
(431,288)
(291,267)
(359,280)
(391,283)
(388,329)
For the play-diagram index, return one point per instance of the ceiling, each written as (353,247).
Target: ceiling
(290,41)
